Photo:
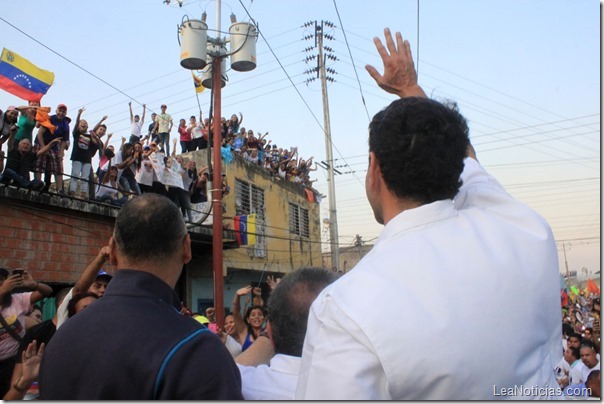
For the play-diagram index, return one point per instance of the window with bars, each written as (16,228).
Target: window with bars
(298,220)
(249,199)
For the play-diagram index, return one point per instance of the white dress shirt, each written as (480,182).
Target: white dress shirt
(456,300)
(274,382)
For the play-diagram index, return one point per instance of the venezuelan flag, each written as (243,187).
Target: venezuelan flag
(244,225)
(22,78)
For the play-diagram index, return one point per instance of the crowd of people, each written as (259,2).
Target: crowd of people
(454,248)
(580,366)
(138,164)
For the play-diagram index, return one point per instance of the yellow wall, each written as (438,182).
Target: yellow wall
(285,251)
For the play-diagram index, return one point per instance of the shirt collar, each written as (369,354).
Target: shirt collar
(416,217)
(142,284)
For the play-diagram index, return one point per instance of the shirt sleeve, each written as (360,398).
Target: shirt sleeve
(62,310)
(338,360)
(479,188)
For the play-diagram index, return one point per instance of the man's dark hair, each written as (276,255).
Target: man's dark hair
(71,306)
(567,329)
(420,145)
(576,352)
(592,377)
(289,304)
(149,227)
(576,335)
(102,126)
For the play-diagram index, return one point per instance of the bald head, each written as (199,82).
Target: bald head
(149,227)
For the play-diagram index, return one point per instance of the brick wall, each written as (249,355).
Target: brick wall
(53,244)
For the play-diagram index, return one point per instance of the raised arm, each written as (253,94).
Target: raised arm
(240,326)
(47,147)
(29,110)
(11,138)
(131,115)
(399,76)
(77,122)
(92,269)
(144,112)
(98,125)
(39,290)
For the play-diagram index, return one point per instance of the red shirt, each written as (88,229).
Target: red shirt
(184,135)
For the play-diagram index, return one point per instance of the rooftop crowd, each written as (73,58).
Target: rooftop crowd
(36,141)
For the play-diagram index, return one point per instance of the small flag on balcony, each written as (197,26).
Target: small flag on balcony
(22,78)
(245,229)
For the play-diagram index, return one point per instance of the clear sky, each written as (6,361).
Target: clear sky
(525,73)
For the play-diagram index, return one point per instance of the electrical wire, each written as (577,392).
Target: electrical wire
(352,59)
(298,91)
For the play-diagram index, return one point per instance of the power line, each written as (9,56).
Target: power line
(296,88)
(352,59)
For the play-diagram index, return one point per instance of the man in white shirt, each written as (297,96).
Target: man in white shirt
(136,123)
(288,307)
(589,359)
(455,250)
(569,369)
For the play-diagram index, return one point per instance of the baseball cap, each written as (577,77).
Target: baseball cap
(201,319)
(11,108)
(103,273)
(62,106)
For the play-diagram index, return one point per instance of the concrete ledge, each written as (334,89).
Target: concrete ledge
(199,234)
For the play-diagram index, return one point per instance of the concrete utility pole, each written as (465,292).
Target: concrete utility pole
(565,261)
(322,73)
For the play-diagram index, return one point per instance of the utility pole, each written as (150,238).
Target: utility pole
(321,72)
(195,55)
(565,261)
(358,242)
(217,228)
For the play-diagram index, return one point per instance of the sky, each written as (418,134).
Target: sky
(526,75)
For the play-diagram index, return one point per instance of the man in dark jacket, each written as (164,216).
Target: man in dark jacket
(133,344)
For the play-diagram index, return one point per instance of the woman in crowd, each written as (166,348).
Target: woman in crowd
(234,123)
(198,190)
(247,328)
(185,137)
(109,187)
